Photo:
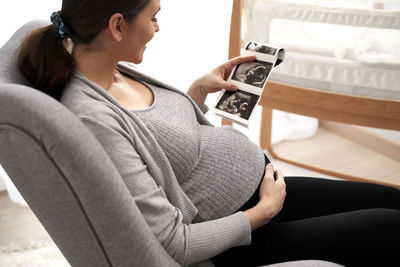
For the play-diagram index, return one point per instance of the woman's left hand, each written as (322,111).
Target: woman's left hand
(215,80)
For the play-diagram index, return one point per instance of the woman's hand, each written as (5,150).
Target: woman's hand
(272,196)
(215,80)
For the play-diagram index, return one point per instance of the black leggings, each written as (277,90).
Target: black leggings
(350,223)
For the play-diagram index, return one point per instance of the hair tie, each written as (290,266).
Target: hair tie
(59,27)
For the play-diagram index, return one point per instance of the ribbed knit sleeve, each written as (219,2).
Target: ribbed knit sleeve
(214,237)
(204,108)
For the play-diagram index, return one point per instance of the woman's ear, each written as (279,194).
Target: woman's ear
(116,25)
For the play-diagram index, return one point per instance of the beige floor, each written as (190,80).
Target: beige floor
(339,154)
(19,225)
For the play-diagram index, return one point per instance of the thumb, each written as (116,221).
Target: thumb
(228,86)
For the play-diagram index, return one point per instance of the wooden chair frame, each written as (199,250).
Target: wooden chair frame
(351,109)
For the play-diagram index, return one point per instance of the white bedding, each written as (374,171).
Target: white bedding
(339,75)
(345,50)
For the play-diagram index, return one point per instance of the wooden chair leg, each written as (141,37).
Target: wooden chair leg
(226,122)
(266,128)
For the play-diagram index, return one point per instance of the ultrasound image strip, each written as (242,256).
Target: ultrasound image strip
(238,103)
(256,47)
(254,73)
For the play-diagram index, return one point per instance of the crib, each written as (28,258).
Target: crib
(326,81)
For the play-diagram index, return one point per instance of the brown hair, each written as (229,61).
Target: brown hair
(43,58)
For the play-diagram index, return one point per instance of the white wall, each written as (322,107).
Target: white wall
(14,14)
(193,39)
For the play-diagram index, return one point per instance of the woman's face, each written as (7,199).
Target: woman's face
(141,31)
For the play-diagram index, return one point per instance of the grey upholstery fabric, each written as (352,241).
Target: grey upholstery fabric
(67,179)
(8,60)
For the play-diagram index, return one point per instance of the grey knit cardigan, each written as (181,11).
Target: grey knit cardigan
(148,174)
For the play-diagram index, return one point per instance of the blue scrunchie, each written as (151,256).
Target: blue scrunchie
(59,27)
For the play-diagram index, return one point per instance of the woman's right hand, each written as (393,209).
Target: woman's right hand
(272,196)
(215,80)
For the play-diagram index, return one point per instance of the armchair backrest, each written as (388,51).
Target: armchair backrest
(66,177)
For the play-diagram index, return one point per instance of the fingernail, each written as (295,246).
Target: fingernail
(269,165)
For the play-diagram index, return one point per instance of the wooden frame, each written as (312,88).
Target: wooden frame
(363,111)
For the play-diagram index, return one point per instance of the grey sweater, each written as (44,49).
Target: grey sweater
(219,168)
(148,174)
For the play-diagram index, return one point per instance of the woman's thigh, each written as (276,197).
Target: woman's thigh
(311,197)
(366,237)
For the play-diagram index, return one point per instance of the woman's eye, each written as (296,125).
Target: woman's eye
(154,19)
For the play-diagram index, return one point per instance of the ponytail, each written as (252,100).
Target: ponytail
(43,58)
(45,62)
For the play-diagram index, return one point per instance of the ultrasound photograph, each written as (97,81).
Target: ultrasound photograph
(253,73)
(252,46)
(238,103)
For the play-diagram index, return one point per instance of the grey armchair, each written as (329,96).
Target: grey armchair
(66,177)
(68,180)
